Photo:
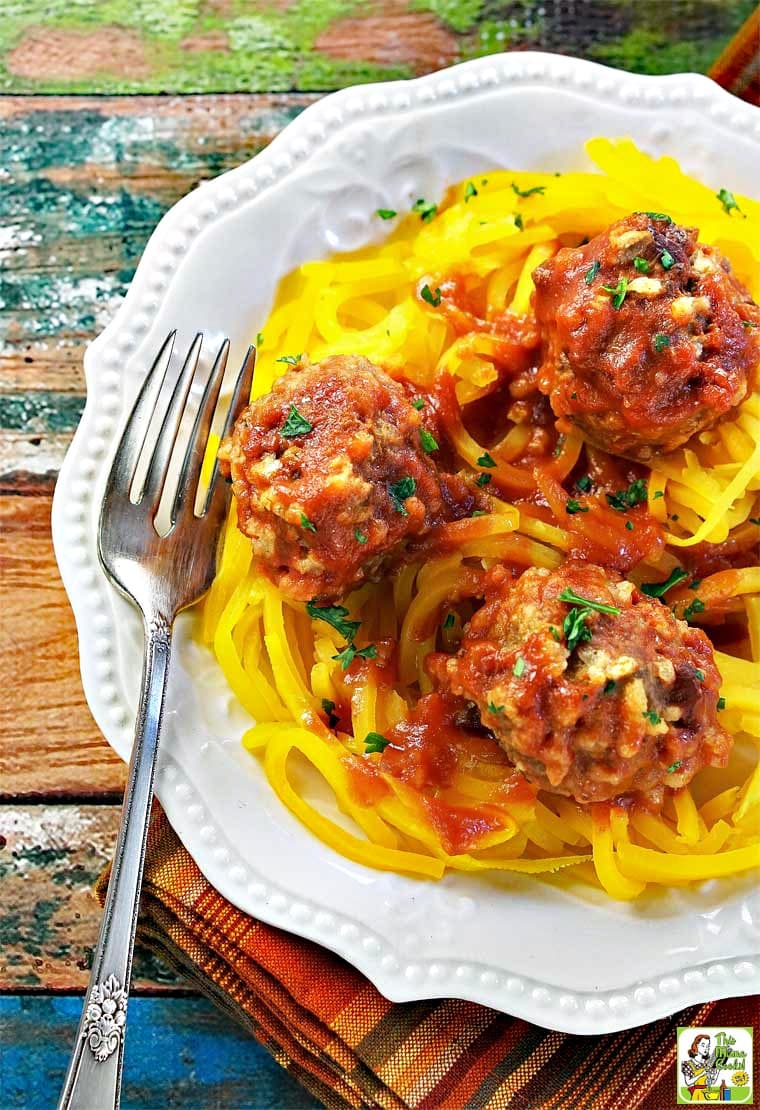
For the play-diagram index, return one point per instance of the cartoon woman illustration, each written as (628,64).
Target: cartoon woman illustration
(699,1071)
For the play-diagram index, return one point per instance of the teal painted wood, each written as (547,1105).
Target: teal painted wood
(180,1052)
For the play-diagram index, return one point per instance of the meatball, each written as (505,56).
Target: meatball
(647,335)
(331,476)
(593,705)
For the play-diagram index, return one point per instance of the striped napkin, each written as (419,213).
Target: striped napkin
(324,1022)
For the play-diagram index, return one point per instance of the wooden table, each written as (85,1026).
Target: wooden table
(83,180)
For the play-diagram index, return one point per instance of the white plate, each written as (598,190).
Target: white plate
(571,961)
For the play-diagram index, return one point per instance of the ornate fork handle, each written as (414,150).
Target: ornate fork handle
(93,1079)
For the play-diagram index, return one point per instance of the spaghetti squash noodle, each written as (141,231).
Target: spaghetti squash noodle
(445,303)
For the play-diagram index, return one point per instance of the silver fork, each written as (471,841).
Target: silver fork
(161,575)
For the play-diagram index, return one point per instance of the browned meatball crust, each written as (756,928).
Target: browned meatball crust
(662,352)
(631,709)
(331,475)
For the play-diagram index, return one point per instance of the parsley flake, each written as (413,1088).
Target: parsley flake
(584,484)
(449,621)
(335,616)
(671,770)
(292,360)
(629,526)
(307,524)
(659,589)
(696,606)
(478,512)
(574,625)
(618,292)
(426,211)
(351,652)
(592,272)
(430,297)
(749,324)
(259,338)
(482,479)
(495,708)
(754,519)
(555,634)
(469,191)
(486,460)
(536,190)
(721,703)
(652,716)
(641,265)
(695,584)
(610,686)
(728,200)
(295,424)
(386,213)
(656,216)
(400,491)
(572,507)
(699,675)
(625,499)
(519,222)
(519,668)
(667,261)
(375,742)
(359,536)
(660,342)
(659,493)
(329,708)
(428,441)
(570,597)
(418,403)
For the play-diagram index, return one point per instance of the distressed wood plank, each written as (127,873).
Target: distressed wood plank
(50,742)
(50,856)
(179,1052)
(306,45)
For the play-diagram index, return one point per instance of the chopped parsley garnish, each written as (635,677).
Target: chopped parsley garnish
(555,634)
(754,519)
(519,222)
(386,213)
(584,484)
(426,211)
(359,536)
(629,526)
(329,708)
(749,324)
(292,360)
(574,625)
(479,512)
(482,479)
(399,492)
(610,686)
(418,403)
(495,708)
(486,460)
(592,272)
(618,292)
(469,191)
(430,297)
(307,524)
(625,499)
(696,606)
(659,589)
(698,674)
(259,338)
(659,493)
(671,770)
(667,261)
(351,652)
(537,189)
(295,424)
(728,200)
(519,668)
(695,584)
(572,507)
(721,703)
(652,716)
(449,621)
(375,742)
(335,616)
(428,441)
(660,342)
(656,216)
(642,265)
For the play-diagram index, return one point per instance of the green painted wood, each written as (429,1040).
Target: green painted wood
(306,45)
(180,1052)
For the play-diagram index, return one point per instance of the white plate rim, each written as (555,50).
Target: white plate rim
(124,339)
